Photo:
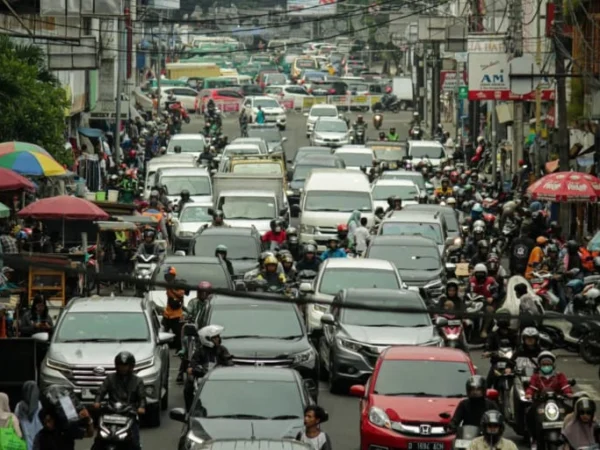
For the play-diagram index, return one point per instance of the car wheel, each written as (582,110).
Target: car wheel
(164,401)
(153,415)
(335,385)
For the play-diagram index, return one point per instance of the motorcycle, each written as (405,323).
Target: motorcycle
(541,284)
(589,345)
(472,329)
(389,103)
(359,135)
(500,360)
(189,339)
(377,121)
(451,330)
(549,420)
(569,333)
(514,412)
(145,266)
(509,231)
(464,437)
(114,427)
(415,134)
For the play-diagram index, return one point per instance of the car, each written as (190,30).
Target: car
(196,180)
(253,444)
(410,397)
(310,150)
(281,92)
(405,190)
(430,225)
(344,273)
(264,148)
(356,156)
(431,152)
(247,148)
(318,111)
(91,331)
(264,333)
(329,87)
(220,96)
(411,175)
(274,78)
(416,258)
(353,339)
(270,134)
(192,144)
(274,112)
(231,401)
(449,213)
(190,219)
(330,132)
(185,95)
(193,270)
(248,90)
(308,77)
(243,246)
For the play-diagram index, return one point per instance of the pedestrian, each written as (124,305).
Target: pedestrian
(28,410)
(9,423)
(361,237)
(260,116)
(312,434)
(173,313)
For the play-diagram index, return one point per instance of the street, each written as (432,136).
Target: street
(343,425)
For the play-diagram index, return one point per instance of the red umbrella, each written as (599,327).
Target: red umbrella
(566,187)
(64,207)
(12,181)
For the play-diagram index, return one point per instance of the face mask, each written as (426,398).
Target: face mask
(547,370)
(277,229)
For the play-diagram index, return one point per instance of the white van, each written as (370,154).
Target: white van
(196,180)
(173,160)
(329,198)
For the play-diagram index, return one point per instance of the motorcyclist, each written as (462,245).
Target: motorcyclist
(445,190)
(536,257)
(217,221)
(483,251)
(382,136)
(184,197)
(221,253)
(423,198)
(127,388)
(333,250)
(482,284)
(436,180)
(452,294)
(128,187)
(211,352)
(520,249)
(342,234)
(270,273)
(289,268)
(496,270)
(149,246)
(206,155)
(528,304)
(573,259)
(470,410)
(492,428)
(501,336)
(359,126)
(276,234)
(530,347)
(472,246)
(579,427)
(573,288)
(309,259)
(393,136)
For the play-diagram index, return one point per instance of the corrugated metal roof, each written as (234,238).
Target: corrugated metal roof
(255,444)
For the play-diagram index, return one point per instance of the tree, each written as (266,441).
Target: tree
(31,100)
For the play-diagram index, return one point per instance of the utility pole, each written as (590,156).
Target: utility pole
(537,157)
(561,90)
(419,61)
(435,89)
(518,138)
(425,68)
(159,64)
(121,52)
(494,128)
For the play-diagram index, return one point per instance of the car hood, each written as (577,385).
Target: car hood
(204,199)
(274,145)
(262,225)
(240,267)
(390,335)
(243,428)
(159,298)
(330,135)
(265,348)
(296,184)
(97,353)
(415,409)
(419,277)
(191,227)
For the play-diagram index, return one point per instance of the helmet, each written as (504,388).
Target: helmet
(445,180)
(480,268)
(479,223)
(572,245)
(478,230)
(125,359)
(218,213)
(132,153)
(263,256)
(492,418)
(154,193)
(149,232)
(221,249)
(483,245)
(585,406)
(170,270)
(475,382)
(541,240)
(593,295)
(309,248)
(208,333)
(271,259)
(503,319)
(185,193)
(468,188)
(341,228)
(451,201)
(546,355)
(204,286)
(576,286)
(334,238)
(287,258)
(530,332)
(493,262)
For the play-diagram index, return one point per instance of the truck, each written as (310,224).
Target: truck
(250,199)
(402,87)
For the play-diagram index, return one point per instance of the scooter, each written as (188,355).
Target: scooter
(359,136)
(114,428)
(504,381)
(549,420)
(451,330)
(514,412)
(464,437)
(377,121)
(145,266)
(566,332)
(474,304)
(541,284)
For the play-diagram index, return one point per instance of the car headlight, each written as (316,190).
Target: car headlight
(304,357)
(552,412)
(193,442)
(349,345)
(185,234)
(379,418)
(307,229)
(290,192)
(61,367)
(434,285)
(145,364)
(318,136)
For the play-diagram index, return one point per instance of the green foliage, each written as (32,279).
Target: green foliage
(31,100)
(575,107)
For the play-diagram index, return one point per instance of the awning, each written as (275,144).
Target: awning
(91,133)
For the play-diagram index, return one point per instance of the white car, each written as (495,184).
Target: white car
(356,156)
(317,111)
(280,92)
(430,151)
(274,112)
(247,148)
(403,189)
(187,96)
(191,218)
(192,144)
(330,132)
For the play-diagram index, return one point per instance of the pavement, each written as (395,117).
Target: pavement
(343,424)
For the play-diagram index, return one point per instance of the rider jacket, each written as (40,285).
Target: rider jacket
(337,253)
(495,338)
(273,278)
(480,443)
(204,356)
(128,390)
(484,288)
(148,249)
(271,236)
(305,264)
(556,383)
(441,192)
(470,411)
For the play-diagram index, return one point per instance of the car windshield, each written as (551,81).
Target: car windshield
(334,280)
(257,169)
(434,151)
(356,159)
(269,134)
(195,214)
(187,145)
(366,318)
(240,398)
(306,63)
(194,273)
(103,326)
(338,201)
(302,171)
(301,153)
(359,87)
(408,257)
(266,103)
(388,154)
(196,185)
(252,89)
(248,208)
(418,180)
(234,151)
(323,112)
(404,192)
(423,378)
(238,247)
(268,320)
(275,78)
(428,230)
(331,126)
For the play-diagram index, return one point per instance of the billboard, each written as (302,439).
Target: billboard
(489,79)
(311,7)
(448,80)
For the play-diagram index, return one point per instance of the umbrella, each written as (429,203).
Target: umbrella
(16,146)
(12,181)
(566,187)
(64,207)
(4,211)
(31,163)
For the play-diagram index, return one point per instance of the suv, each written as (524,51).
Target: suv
(317,111)
(90,332)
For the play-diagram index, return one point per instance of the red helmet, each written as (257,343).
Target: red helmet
(342,227)
(388,90)
(204,286)
(132,153)
(454,176)
(489,219)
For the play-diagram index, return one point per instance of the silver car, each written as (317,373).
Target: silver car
(330,132)
(91,332)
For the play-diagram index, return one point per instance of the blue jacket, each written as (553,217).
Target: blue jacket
(337,253)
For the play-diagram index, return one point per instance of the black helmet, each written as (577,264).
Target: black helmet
(309,248)
(218,213)
(125,359)
(475,382)
(492,418)
(503,318)
(572,245)
(483,245)
(149,232)
(585,406)
(185,194)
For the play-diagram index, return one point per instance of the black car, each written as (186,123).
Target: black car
(243,246)
(244,402)
(263,333)
(450,214)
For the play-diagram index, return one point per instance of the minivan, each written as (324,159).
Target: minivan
(195,180)
(174,160)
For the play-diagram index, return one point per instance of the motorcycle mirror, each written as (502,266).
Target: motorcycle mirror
(492,394)
(179,253)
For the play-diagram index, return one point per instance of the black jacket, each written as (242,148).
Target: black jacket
(203,356)
(304,264)
(519,254)
(128,390)
(495,339)
(470,412)
(28,322)
(229,266)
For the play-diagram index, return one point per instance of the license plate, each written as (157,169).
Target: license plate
(552,425)
(461,443)
(115,420)
(425,446)
(501,365)
(87,394)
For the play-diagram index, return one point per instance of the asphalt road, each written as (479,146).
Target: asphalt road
(343,425)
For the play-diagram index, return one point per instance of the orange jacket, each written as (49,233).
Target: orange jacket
(535,257)
(174,308)
(587,259)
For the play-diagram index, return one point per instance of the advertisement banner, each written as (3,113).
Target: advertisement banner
(311,7)
(308,102)
(448,80)
(489,79)
(287,103)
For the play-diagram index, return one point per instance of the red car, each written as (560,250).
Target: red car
(221,97)
(411,396)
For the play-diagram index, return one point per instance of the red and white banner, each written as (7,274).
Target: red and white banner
(448,80)
(489,79)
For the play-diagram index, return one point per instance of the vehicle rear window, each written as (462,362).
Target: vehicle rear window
(428,230)
(194,273)
(408,257)
(334,280)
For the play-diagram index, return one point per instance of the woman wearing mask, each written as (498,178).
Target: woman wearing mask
(27,411)
(579,426)
(37,319)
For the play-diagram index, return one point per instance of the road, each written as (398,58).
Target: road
(343,425)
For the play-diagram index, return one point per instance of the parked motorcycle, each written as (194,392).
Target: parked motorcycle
(377,121)
(388,103)
(589,345)
(114,427)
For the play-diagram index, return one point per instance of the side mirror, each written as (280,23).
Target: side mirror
(572,382)
(179,253)
(327,319)
(445,415)
(283,212)
(290,175)
(165,338)
(306,288)
(284,139)
(177,414)
(441,322)
(450,267)
(358,390)
(41,337)
(239,286)
(210,211)
(305,114)
(296,209)
(492,394)
(312,388)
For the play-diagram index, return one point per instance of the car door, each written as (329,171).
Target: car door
(161,352)
(329,333)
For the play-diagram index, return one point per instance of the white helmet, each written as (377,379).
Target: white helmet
(451,201)
(207,333)
(480,268)
(479,223)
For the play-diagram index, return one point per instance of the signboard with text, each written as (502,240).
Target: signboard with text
(311,7)
(448,80)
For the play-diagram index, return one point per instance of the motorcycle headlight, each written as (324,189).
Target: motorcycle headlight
(552,412)
(379,418)
(457,242)
(320,308)
(349,345)
(104,434)
(304,357)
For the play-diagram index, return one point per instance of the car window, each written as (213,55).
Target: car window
(408,257)
(418,180)
(296,90)
(404,192)
(269,134)
(193,273)
(241,248)
(196,185)
(340,201)
(258,169)
(103,326)
(195,214)
(373,318)
(356,159)
(273,90)
(231,94)
(323,112)
(428,230)
(187,145)
(334,280)
(433,151)
(266,103)
(332,126)
(248,208)
(240,151)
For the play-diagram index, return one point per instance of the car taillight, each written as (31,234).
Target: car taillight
(332,91)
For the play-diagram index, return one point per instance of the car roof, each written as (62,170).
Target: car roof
(242,145)
(316,159)
(419,216)
(406,241)
(394,183)
(330,119)
(260,97)
(376,295)
(444,209)
(425,144)
(187,137)
(324,106)
(252,373)
(404,353)
(184,171)
(320,179)
(218,299)
(313,147)
(409,173)
(189,205)
(105,304)
(355,149)
(243,140)
(234,231)
(190,260)
(359,263)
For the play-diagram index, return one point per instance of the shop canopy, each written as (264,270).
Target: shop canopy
(63,207)
(12,181)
